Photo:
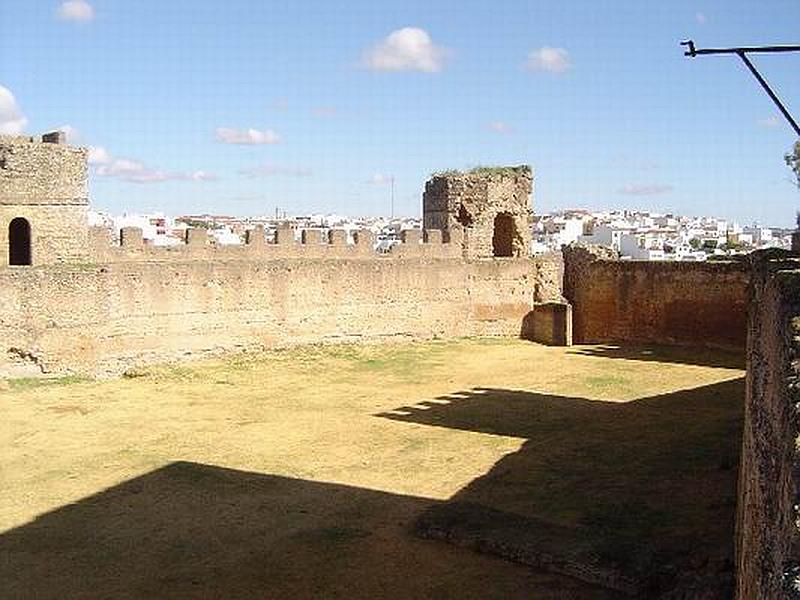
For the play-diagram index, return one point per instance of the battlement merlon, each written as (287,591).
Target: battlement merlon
(43,171)
(490,206)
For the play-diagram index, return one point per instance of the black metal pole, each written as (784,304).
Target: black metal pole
(769,91)
(742,53)
(692,51)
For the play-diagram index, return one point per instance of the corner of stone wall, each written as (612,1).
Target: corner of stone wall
(576,258)
(549,284)
(548,323)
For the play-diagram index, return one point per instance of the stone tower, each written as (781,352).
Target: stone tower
(43,201)
(490,208)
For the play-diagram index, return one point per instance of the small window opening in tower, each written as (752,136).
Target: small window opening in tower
(19,242)
(503,237)
(464,217)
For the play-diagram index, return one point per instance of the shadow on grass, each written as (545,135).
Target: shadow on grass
(190,530)
(640,493)
(707,357)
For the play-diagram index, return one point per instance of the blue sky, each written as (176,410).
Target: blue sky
(242,106)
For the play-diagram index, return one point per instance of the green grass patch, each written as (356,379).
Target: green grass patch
(30,383)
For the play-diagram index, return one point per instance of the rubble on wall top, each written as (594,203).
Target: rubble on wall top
(487,172)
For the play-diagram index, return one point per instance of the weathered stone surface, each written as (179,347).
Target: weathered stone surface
(549,323)
(655,302)
(767,538)
(46,184)
(106,318)
(468,204)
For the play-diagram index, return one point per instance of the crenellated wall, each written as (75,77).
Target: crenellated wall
(92,302)
(104,318)
(198,245)
(681,303)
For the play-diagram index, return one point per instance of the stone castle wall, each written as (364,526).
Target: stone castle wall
(655,302)
(467,204)
(89,303)
(106,318)
(767,552)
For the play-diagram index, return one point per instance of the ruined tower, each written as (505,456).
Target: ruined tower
(43,201)
(490,208)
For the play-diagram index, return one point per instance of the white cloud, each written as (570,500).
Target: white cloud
(76,10)
(701,18)
(134,171)
(554,60)
(268,170)
(652,189)
(98,156)
(247,136)
(380,179)
(407,49)
(499,127)
(12,121)
(770,122)
(73,135)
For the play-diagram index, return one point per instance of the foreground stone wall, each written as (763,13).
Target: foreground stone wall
(655,302)
(769,475)
(106,318)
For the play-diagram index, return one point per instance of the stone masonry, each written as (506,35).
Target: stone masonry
(490,208)
(44,182)
(655,302)
(767,536)
(89,302)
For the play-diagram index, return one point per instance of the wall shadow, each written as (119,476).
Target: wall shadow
(700,356)
(190,530)
(641,492)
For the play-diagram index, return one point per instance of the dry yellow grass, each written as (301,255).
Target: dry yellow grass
(291,473)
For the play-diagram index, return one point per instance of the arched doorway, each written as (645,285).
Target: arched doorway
(503,237)
(19,242)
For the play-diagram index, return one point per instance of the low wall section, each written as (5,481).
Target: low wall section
(678,303)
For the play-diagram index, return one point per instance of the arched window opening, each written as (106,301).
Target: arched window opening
(19,242)
(503,237)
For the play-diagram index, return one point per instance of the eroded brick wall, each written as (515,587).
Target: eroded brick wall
(769,474)
(106,318)
(680,303)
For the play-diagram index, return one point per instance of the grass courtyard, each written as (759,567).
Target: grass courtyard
(299,473)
